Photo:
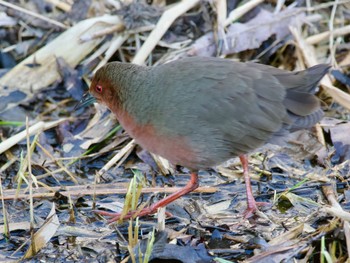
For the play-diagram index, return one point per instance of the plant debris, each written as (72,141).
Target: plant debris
(58,164)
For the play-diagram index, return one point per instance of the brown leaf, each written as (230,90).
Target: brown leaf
(341,140)
(239,36)
(44,234)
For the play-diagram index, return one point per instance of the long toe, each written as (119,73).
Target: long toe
(253,207)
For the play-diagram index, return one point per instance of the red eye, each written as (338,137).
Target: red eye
(98,89)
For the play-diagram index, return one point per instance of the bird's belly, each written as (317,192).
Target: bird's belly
(176,149)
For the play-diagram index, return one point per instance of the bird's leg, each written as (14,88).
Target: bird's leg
(191,185)
(252,205)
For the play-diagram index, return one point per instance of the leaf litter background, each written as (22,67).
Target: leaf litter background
(63,163)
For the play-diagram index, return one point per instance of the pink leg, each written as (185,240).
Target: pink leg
(191,185)
(252,205)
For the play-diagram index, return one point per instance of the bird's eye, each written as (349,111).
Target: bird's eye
(98,88)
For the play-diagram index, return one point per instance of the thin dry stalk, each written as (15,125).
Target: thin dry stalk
(30,184)
(98,189)
(162,26)
(315,39)
(58,163)
(36,128)
(117,157)
(346,228)
(61,5)
(109,30)
(335,209)
(4,212)
(279,5)
(21,174)
(161,215)
(323,5)
(242,10)
(117,42)
(10,161)
(25,11)
(331,35)
(221,10)
(163,164)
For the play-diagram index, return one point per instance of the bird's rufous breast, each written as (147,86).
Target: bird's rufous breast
(176,149)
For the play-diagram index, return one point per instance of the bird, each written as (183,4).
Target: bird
(198,112)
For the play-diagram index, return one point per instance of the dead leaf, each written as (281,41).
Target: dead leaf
(6,20)
(305,206)
(341,141)
(239,36)
(280,247)
(44,234)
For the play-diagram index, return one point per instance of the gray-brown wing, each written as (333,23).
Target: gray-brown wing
(226,108)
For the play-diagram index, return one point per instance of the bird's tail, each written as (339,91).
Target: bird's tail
(303,107)
(300,99)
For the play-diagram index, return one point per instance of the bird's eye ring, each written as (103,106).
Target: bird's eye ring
(98,88)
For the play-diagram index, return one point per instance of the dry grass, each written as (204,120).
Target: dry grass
(66,167)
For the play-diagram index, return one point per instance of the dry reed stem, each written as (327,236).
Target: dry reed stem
(221,10)
(64,168)
(310,59)
(346,228)
(279,6)
(38,127)
(331,35)
(163,164)
(98,189)
(6,226)
(25,11)
(67,45)
(241,10)
(324,5)
(61,5)
(117,157)
(30,185)
(335,209)
(315,39)
(162,26)
(102,49)
(109,30)
(116,43)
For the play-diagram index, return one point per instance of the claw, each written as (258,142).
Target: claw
(191,185)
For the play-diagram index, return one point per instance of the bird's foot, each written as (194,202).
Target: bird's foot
(253,207)
(191,185)
(114,217)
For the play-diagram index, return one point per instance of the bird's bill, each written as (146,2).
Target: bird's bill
(85,101)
